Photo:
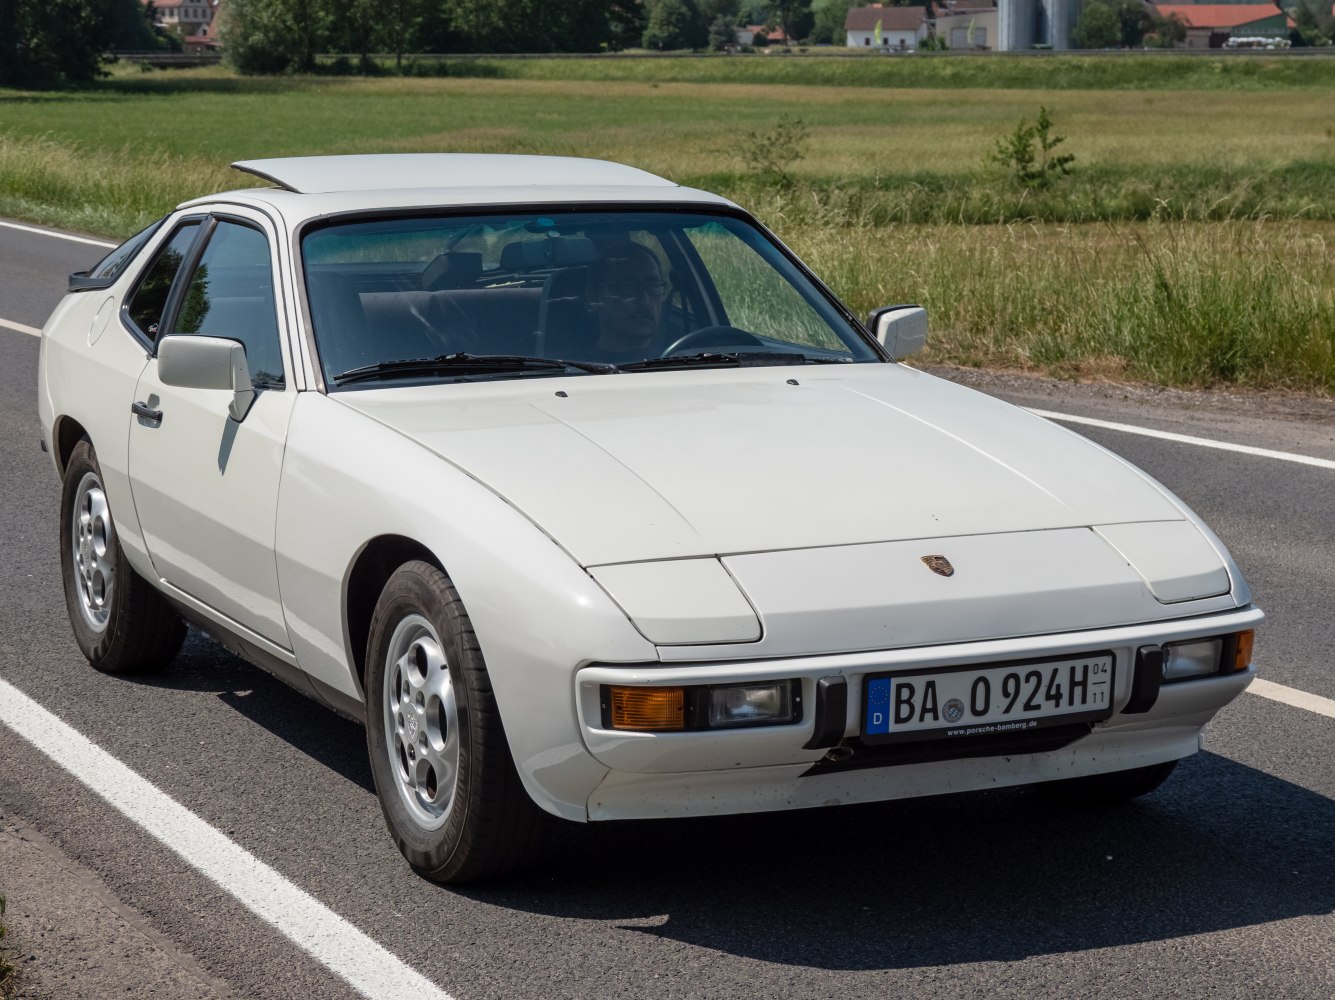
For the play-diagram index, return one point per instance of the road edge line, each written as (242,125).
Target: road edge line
(31,331)
(364,964)
(1293,697)
(1243,449)
(58,235)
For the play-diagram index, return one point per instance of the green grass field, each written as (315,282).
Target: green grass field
(1189,246)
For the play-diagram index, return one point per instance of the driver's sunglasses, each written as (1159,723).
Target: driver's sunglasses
(629,288)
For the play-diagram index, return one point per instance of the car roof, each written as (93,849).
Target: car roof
(316,186)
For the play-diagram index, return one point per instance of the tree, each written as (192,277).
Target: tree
(353,28)
(47,43)
(535,25)
(793,16)
(722,32)
(626,21)
(828,24)
(400,23)
(1134,20)
(274,36)
(1313,23)
(132,27)
(675,24)
(1168,31)
(1097,28)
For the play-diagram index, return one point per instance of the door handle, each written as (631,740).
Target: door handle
(147,412)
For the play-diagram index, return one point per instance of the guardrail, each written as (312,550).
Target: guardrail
(170,58)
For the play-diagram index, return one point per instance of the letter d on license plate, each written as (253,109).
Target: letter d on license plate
(969,701)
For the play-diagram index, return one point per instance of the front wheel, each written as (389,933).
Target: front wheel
(120,622)
(442,767)
(1109,789)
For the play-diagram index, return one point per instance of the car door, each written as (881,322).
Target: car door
(205,485)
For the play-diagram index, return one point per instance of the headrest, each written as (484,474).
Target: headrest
(455,269)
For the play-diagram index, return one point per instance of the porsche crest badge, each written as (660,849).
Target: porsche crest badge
(939,565)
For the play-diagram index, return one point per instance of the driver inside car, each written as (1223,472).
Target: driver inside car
(626,293)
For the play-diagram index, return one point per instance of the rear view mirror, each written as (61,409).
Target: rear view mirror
(902,330)
(207,363)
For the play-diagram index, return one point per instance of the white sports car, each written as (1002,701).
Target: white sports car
(589,499)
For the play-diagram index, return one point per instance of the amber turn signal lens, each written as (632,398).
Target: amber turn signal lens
(648,709)
(1242,655)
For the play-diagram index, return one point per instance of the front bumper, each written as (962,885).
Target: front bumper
(764,768)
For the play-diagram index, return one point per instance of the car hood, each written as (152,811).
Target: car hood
(669,465)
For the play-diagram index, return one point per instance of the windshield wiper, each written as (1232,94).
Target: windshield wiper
(732,359)
(461,360)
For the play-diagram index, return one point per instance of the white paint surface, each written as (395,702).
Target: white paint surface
(320,932)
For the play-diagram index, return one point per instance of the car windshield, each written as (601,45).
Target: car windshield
(429,299)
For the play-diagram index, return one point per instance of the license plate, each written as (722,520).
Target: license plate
(975,701)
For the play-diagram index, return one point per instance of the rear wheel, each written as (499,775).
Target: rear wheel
(447,784)
(1106,789)
(120,622)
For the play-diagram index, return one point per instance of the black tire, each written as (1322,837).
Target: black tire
(131,628)
(421,654)
(1111,788)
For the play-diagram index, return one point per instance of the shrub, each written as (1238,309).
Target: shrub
(1028,153)
(771,154)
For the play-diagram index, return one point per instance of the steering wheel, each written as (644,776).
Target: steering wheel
(712,336)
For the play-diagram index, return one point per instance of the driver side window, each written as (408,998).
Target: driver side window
(149,300)
(230,295)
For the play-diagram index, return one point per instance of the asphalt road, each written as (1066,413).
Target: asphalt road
(1221,884)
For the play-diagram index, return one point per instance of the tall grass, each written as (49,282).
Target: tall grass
(111,193)
(1127,71)
(1191,249)
(1244,303)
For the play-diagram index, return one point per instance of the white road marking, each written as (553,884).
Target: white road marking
(1292,696)
(31,331)
(1245,449)
(59,236)
(320,932)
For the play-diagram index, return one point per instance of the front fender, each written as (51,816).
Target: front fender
(538,616)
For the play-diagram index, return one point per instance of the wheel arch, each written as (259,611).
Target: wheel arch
(67,433)
(366,578)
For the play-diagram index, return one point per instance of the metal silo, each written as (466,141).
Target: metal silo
(1062,15)
(1017,24)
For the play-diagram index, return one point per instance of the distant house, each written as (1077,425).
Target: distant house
(965,25)
(186,17)
(901,29)
(1210,25)
(195,22)
(775,36)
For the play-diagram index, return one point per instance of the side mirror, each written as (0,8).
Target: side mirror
(208,363)
(902,330)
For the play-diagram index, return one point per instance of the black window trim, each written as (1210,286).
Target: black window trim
(150,343)
(187,270)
